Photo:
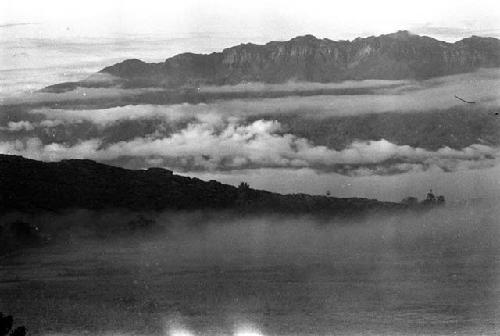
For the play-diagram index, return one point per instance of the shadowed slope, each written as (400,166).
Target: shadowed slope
(33,185)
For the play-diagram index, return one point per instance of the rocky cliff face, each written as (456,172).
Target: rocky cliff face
(401,55)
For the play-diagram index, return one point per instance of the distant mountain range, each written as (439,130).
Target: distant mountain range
(30,185)
(401,55)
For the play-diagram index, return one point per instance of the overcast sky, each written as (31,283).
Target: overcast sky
(256,20)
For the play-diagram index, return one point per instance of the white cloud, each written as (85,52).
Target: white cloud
(34,149)
(26,125)
(305,86)
(51,123)
(233,146)
(15,126)
(105,117)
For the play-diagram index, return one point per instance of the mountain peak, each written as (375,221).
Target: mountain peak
(401,35)
(307,37)
(399,55)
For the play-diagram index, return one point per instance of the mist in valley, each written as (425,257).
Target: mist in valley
(216,273)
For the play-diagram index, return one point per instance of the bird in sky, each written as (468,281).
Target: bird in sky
(465,101)
(472,102)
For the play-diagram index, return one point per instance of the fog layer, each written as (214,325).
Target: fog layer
(214,274)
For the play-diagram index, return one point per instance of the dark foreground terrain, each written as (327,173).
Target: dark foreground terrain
(91,249)
(29,185)
(35,188)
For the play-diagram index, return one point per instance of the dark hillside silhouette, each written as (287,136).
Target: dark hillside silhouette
(29,185)
(6,327)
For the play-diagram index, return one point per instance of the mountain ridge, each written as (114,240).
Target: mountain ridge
(400,55)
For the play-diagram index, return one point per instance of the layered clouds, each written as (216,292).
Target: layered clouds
(315,99)
(380,132)
(211,142)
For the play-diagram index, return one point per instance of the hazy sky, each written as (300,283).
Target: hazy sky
(255,20)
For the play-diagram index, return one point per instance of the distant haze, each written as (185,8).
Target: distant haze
(253,20)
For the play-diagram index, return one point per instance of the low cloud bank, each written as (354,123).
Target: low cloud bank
(216,144)
(353,97)
(305,86)
(287,132)
(78,96)
(108,116)
(483,87)
(16,126)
